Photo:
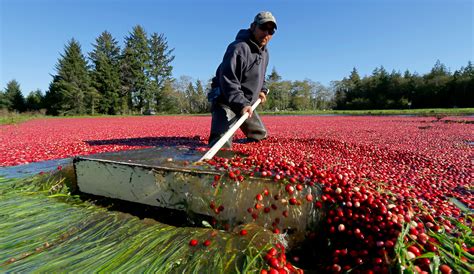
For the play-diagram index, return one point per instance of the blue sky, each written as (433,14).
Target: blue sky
(318,40)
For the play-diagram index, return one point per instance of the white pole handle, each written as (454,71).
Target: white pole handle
(218,145)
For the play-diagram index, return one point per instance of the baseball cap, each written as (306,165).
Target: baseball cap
(264,17)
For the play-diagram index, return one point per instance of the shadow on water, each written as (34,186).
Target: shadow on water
(26,170)
(195,141)
(21,171)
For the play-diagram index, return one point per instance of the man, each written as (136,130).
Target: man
(240,81)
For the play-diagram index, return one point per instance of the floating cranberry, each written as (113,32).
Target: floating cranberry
(273,262)
(414,250)
(193,242)
(445,269)
(290,189)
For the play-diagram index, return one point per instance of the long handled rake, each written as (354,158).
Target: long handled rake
(218,145)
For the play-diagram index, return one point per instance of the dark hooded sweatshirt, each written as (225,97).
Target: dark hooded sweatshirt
(241,75)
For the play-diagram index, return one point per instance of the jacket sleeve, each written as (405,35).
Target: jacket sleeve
(230,81)
(264,87)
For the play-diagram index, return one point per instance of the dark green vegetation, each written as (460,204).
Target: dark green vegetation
(47,229)
(137,79)
(438,89)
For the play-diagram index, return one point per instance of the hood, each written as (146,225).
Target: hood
(243,35)
(246,35)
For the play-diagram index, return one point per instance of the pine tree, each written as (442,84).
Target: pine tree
(34,100)
(272,83)
(160,69)
(171,99)
(105,73)
(70,93)
(182,86)
(279,97)
(134,66)
(274,76)
(462,87)
(435,90)
(13,97)
(3,101)
(126,82)
(200,98)
(191,96)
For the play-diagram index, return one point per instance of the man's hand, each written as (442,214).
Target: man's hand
(263,97)
(247,109)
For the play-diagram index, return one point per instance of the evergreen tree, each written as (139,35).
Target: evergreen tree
(340,94)
(467,86)
(135,63)
(126,82)
(435,92)
(438,88)
(274,76)
(3,101)
(354,77)
(13,97)
(160,68)
(191,98)
(53,97)
(415,85)
(105,73)
(351,89)
(407,89)
(462,87)
(271,82)
(394,91)
(200,98)
(34,100)
(376,93)
(171,99)
(183,86)
(70,92)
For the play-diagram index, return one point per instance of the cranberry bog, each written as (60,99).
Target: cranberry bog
(392,194)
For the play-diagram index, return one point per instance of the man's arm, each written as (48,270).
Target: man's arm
(263,98)
(264,87)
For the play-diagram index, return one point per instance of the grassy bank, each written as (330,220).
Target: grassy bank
(418,112)
(7,118)
(15,118)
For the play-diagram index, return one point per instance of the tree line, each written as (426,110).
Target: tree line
(137,79)
(382,90)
